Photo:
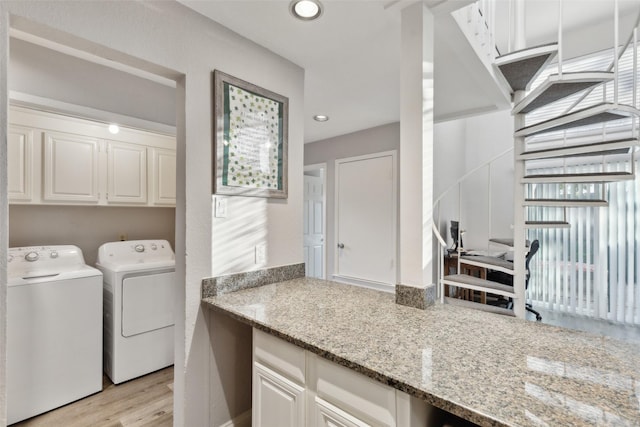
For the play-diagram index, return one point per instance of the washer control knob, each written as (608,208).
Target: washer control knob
(154,246)
(32,256)
(53,254)
(139,248)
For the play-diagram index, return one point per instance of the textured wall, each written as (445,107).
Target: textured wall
(170,40)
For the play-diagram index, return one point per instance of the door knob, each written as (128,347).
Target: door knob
(341,245)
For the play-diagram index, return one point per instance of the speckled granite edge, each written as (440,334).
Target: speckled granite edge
(219,285)
(444,404)
(416,297)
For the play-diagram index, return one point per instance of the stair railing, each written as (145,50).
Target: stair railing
(481,16)
(632,39)
(437,205)
(441,247)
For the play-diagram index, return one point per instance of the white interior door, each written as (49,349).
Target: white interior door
(313,226)
(366,219)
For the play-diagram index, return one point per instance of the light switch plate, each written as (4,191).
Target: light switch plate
(221,207)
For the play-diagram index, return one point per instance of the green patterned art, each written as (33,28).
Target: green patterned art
(250,139)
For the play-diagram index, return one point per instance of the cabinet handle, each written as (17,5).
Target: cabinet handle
(341,245)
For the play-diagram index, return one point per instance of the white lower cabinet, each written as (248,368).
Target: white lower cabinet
(328,415)
(294,387)
(277,401)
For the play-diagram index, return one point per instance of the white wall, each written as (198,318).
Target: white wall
(368,141)
(167,39)
(87,226)
(36,70)
(461,146)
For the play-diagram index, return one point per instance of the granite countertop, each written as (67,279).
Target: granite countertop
(493,370)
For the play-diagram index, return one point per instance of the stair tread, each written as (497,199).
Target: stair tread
(508,241)
(521,67)
(488,260)
(579,177)
(598,113)
(565,202)
(546,224)
(557,87)
(477,306)
(465,279)
(617,146)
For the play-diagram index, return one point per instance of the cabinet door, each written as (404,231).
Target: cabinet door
(277,401)
(163,177)
(20,163)
(327,415)
(126,173)
(70,168)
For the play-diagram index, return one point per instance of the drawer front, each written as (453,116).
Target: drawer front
(365,399)
(282,357)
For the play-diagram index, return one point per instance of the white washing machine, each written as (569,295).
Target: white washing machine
(54,329)
(139,295)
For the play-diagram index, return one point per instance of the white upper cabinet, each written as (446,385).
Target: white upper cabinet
(62,160)
(163,173)
(20,161)
(70,168)
(126,173)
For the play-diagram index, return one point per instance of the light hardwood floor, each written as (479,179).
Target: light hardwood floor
(143,402)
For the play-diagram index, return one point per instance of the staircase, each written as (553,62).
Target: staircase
(518,70)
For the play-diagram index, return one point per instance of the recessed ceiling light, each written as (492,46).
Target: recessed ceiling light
(320,118)
(306,10)
(114,128)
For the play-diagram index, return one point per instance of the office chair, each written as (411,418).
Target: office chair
(507,279)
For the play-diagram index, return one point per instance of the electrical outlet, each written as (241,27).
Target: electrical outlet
(221,207)
(261,253)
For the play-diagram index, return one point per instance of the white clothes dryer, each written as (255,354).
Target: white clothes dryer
(54,329)
(139,295)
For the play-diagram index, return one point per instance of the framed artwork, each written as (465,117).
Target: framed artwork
(250,139)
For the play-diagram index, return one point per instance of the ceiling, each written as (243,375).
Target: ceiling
(351,55)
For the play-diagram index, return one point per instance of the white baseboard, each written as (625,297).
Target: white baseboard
(242,420)
(378,286)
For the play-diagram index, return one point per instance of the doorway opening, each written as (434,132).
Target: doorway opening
(315,220)
(58,81)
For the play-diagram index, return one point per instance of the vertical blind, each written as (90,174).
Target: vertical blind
(593,267)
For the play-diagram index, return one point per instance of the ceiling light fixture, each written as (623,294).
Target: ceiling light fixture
(114,128)
(306,10)
(320,118)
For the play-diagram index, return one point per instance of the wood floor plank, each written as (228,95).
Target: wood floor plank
(145,401)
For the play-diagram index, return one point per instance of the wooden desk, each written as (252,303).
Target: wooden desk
(451,267)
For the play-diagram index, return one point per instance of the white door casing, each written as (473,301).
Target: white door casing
(314,226)
(366,218)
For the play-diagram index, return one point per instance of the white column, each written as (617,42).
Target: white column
(519,38)
(416,146)
(519,232)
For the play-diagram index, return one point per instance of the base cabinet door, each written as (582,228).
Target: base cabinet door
(327,415)
(277,401)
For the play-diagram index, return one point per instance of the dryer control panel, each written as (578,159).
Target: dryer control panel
(135,251)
